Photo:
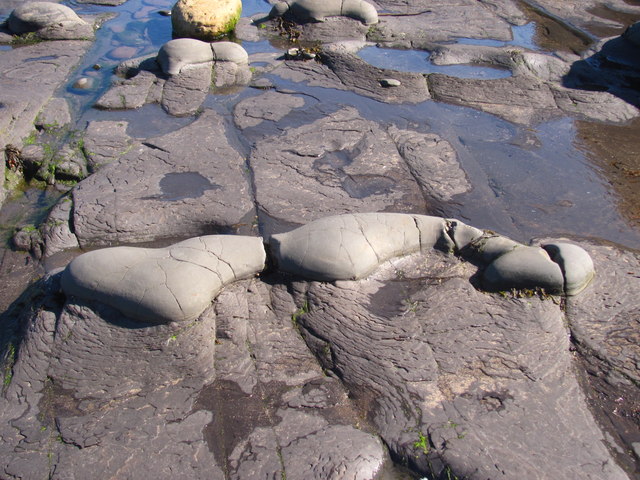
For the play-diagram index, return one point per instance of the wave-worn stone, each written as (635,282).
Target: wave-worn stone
(175,283)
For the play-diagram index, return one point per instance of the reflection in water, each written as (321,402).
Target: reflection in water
(615,150)
(417,61)
(606,29)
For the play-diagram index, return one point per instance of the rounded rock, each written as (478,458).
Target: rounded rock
(524,268)
(205,19)
(175,54)
(576,265)
(390,82)
(34,16)
(229,52)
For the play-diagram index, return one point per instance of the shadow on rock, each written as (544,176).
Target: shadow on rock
(613,66)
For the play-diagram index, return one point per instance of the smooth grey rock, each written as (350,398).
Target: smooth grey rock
(229,52)
(576,264)
(348,247)
(49,20)
(463,234)
(490,246)
(172,284)
(524,268)
(180,52)
(306,10)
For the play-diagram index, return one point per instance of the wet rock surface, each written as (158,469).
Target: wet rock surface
(369,339)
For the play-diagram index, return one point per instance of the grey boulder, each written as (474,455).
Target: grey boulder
(49,20)
(163,285)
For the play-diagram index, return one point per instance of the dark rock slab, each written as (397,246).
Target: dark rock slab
(184,93)
(104,142)
(424,20)
(516,99)
(338,164)
(456,381)
(186,183)
(93,391)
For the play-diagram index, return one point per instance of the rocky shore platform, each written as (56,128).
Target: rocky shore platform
(354,240)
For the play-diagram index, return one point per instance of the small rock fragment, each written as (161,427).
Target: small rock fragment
(390,82)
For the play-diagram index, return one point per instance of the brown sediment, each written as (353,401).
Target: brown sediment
(606,30)
(615,151)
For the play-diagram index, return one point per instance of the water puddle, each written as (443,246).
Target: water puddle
(181,185)
(144,122)
(523,36)
(603,11)
(27,208)
(417,61)
(137,29)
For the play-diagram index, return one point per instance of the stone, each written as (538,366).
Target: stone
(205,19)
(177,53)
(306,10)
(524,268)
(575,263)
(390,82)
(83,83)
(49,20)
(172,284)
(252,111)
(349,247)
(229,52)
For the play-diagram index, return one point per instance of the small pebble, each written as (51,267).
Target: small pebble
(83,83)
(165,13)
(390,82)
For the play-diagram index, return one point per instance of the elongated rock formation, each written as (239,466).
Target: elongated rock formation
(162,285)
(313,10)
(349,247)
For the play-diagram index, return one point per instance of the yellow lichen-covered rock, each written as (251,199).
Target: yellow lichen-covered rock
(205,19)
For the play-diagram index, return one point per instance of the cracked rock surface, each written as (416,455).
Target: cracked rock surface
(173,284)
(372,335)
